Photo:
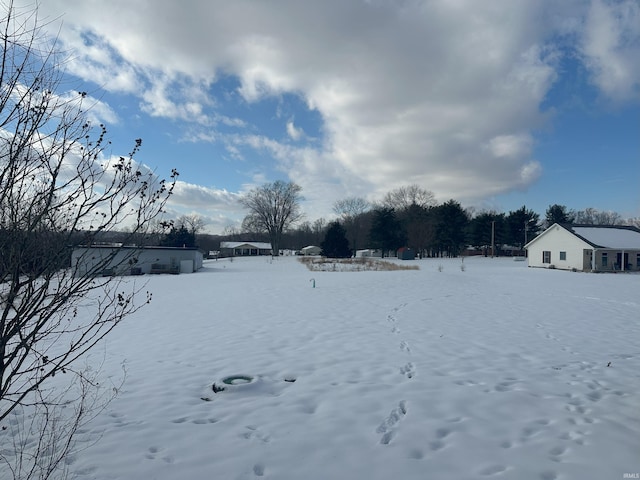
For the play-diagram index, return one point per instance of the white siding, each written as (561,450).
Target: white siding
(556,240)
(122,260)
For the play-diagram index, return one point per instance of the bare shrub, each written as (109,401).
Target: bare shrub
(59,187)
(352,264)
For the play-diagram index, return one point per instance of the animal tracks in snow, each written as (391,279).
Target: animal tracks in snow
(253,432)
(388,427)
(155,452)
(408,370)
(404,346)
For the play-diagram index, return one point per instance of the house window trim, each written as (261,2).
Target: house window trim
(546,256)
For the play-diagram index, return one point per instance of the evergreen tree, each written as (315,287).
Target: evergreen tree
(179,237)
(451,228)
(386,231)
(335,243)
(522,225)
(485,228)
(558,214)
(420,224)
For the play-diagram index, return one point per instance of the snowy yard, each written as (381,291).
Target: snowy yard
(497,371)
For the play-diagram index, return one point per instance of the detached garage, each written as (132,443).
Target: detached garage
(588,248)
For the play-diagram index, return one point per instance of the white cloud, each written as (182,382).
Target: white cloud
(511,146)
(611,47)
(294,132)
(443,94)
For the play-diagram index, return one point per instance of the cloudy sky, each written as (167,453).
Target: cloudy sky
(496,104)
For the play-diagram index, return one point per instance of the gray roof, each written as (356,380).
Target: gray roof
(260,245)
(605,236)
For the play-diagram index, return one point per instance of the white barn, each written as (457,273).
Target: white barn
(589,248)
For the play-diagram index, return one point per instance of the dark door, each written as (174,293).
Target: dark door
(621,265)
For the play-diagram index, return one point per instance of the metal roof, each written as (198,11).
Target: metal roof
(605,236)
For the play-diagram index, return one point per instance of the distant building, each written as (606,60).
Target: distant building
(311,250)
(368,252)
(116,259)
(594,248)
(406,253)
(244,249)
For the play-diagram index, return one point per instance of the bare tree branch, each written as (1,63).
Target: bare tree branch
(59,187)
(273,207)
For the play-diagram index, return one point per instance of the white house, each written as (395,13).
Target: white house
(241,249)
(132,260)
(596,248)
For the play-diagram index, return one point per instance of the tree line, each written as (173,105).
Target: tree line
(408,216)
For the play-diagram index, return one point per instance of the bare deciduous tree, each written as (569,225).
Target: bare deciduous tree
(194,223)
(402,198)
(593,216)
(59,187)
(273,207)
(351,211)
(633,222)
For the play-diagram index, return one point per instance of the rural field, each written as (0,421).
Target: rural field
(458,370)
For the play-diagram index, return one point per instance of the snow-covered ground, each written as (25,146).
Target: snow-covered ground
(495,371)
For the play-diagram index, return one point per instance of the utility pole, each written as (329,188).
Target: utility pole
(493,238)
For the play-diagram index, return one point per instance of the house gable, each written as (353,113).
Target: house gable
(557,247)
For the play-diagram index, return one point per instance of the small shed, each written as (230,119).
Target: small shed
(406,253)
(594,248)
(311,250)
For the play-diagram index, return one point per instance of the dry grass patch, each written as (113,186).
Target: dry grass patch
(366,264)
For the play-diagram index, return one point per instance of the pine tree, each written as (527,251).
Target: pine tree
(335,243)
(386,231)
(179,237)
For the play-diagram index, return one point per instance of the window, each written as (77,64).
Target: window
(563,255)
(546,256)
(638,260)
(605,259)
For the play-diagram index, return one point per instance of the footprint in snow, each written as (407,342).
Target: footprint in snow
(408,370)
(493,470)
(253,432)
(387,427)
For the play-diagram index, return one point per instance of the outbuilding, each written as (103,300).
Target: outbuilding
(115,259)
(406,253)
(593,248)
(311,250)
